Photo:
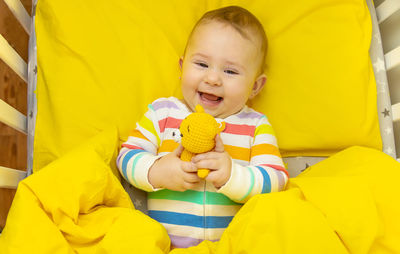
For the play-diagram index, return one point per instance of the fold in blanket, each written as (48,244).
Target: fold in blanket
(348,203)
(77,205)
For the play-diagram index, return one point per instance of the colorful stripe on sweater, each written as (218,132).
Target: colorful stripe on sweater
(202,212)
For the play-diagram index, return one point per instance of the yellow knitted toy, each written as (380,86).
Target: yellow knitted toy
(198,132)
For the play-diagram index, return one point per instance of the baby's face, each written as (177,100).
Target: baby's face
(219,69)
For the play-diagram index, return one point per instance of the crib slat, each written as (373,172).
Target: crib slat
(9,178)
(386,9)
(20,13)
(12,117)
(396,112)
(12,59)
(392,58)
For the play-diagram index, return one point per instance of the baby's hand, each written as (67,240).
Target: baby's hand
(172,173)
(218,161)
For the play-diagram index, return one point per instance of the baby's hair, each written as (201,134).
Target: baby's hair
(242,21)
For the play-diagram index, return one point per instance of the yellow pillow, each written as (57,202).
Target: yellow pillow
(320,95)
(101,63)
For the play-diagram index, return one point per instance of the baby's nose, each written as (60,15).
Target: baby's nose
(213,78)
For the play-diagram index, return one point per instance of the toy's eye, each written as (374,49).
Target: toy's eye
(188,128)
(181,135)
(173,134)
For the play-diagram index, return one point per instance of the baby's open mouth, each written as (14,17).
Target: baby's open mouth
(210,98)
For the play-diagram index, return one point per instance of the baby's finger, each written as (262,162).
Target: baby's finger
(205,156)
(178,150)
(189,167)
(212,176)
(191,177)
(219,145)
(208,163)
(215,178)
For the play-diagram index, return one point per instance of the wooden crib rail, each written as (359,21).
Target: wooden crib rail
(20,13)
(9,178)
(386,9)
(13,59)
(12,117)
(392,58)
(396,112)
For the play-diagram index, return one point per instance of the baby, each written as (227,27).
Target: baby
(222,68)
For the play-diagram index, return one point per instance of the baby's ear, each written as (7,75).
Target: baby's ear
(258,85)
(180,62)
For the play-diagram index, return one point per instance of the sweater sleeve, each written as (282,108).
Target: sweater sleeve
(265,173)
(139,152)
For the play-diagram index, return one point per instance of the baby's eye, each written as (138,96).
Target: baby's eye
(201,64)
(231,72)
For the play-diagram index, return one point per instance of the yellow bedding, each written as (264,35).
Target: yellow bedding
(345,204)
(100,63)
(77,205)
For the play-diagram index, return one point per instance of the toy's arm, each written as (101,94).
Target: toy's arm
(186,155)
(266,172)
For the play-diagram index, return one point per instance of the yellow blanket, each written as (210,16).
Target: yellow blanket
(348,203)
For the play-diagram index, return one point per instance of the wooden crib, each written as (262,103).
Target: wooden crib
(17,113)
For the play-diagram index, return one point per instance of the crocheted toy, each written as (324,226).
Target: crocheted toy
(198,131)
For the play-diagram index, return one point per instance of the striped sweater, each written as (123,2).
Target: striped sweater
(202,213)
